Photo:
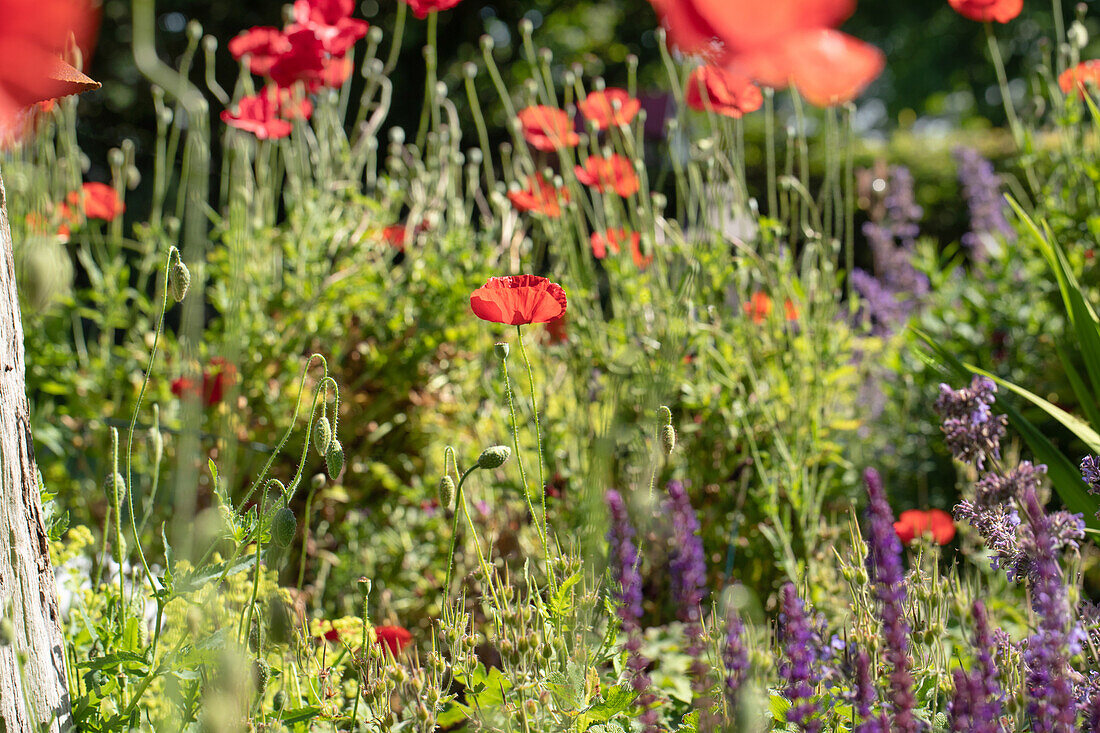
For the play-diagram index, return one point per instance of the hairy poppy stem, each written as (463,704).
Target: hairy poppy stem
(454,530)
(519,456)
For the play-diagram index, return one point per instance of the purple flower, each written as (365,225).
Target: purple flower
(981,187)
(798,668)
(688,570)
(884,561)
(1051,705)
(865,697)
(1090,471)
(971,430)
(977,701)
(735,657)
(993,488)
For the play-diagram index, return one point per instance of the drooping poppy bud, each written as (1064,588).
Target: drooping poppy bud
(284,525)
(322,435)
(334,459)
(493,457)
(179,279)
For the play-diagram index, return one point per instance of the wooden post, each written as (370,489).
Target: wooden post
(34,692)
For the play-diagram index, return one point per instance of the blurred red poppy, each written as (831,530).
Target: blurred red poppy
(726,28)
(790,310)
(214,381)
(827,67)
(758,307)
(259,115)
(262,44)
(609,239)
(713,88)
(289,104)
(540,197)
(1080,77)
(557,331)
(609,107)
(519,299)
(34,35)
(423,8)
(547,128)
(303,61)
(641,260)
(331,22)
(393,638)
(615,173)
(96,200)
(915,523)
(1001,11)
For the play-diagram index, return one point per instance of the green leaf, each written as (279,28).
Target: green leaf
(1076,426)
(562,603)
(616,700)
(300,715)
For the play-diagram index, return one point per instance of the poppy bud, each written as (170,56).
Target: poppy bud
(261,673)
(501,350)
(469,70)
(493,457)
(322,435)
(668,439)
(278,701)
(446,492)
(334,459)
(114,486)
(1078,35)
(364,584)
(254,636)
(284,525)
(179,279)
(664,415)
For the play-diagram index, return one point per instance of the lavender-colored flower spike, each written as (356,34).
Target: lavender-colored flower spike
(624,571)
(798,667)
(971,430)
(982,189)
(1090,471)
(976,706)
(735,657)
(884,559)
(688,568)
(1051,705)
(866,697)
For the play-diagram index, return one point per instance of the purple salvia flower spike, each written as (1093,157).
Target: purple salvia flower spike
(798,668)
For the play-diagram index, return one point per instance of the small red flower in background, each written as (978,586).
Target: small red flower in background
(258,114)
(96,200)
(540,197)
(759,306)
(263,45)
(610,239)
(289,104)
(422,8)
(641,260)
(790,310)
(519,299)
(393,638)
(557,331)
(1001,11)
(713,88)
(615,173)
(331,22)
(915,523)
(303,61)
(547,128)
(214,382)
(1079,77)
(609,107)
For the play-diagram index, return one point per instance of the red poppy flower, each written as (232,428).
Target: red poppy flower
(97,201)
(214,382)
(540,197)
(334,72)
(1001,11)
(290,104)
(331,22)
(615,173)
(758,307)
(916,523)
(518,299)
(1079,77)
(827,67)
(641,260)
(303,61)
(393,638)
(790,310)
(259,115)
(422,8)
(609,107)
(713,88)
(33,36)
(727,28)
(609,239)
(557,331)
(547,128)
(263,45)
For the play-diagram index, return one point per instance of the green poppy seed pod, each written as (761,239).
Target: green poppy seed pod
(668,439)
(179,279)
(469,70)
(334,459)
(446,492)
(664,415)
(284,525)
(365,585)
(501,350)
(322,435)
(493,457)
(374,35)
(261,673)
(278,701)
(1078,35)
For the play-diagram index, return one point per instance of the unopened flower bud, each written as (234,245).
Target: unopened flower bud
(1078,35)
(284,525)
(664,415)
(493,457)
(322,435)
(501,350)
(179,279)
(114,486)
(668,439)
(446,491)
(334,459)
(278,701)
(364,584)
(261,673)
